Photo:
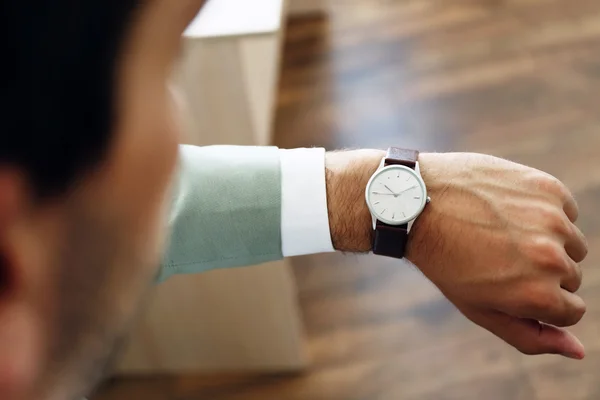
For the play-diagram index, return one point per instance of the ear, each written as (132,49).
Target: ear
(20,328)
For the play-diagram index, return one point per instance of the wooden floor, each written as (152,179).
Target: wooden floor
(515,78)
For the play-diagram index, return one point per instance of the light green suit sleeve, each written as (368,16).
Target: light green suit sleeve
(226,210)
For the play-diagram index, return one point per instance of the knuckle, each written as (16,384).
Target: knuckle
(552,185)
(535,244)
(546,253)
(557,223)
(554,258)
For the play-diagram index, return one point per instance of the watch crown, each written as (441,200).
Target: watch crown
(428,199)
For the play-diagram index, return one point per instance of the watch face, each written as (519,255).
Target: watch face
(396,195)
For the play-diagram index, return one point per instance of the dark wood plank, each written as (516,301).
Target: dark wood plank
(515,78)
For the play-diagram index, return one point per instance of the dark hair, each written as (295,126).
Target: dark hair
(57,90)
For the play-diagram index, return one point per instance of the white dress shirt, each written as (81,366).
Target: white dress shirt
(304,214)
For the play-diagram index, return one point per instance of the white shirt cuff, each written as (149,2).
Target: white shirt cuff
(304,216)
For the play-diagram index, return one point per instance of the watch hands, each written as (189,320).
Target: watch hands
(393,193)
(410,188)
(387,187)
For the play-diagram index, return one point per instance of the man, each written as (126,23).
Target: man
(90,165)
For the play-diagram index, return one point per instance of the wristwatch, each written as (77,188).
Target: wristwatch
(396,195)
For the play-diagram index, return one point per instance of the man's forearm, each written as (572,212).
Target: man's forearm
(348,173)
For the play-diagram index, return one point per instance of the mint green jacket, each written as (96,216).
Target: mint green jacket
(226,209)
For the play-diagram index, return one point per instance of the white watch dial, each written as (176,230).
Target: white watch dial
(396,195)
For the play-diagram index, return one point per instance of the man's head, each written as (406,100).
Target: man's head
(88,147)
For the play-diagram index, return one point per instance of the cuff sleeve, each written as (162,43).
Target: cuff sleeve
(304,216)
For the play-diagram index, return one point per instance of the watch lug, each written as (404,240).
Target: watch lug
(381,164)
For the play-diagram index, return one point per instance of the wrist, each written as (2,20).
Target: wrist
(347,175)
(350,221)
(434,174)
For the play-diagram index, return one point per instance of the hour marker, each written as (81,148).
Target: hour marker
(404,215)
(383,211)
(417,198)
(408,179)
(394,216)
(377,202)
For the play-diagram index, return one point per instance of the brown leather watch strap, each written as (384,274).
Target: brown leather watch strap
(398,156)
(390,241)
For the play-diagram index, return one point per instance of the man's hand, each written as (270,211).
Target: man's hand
(498,239)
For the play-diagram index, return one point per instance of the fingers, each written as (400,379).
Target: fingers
(558,189)
(566,231)
(571,208)
(551,298)
(572,278)
(565,256)
(559,309)
(574,304)
(549,258)
(576,245)
(529,336)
